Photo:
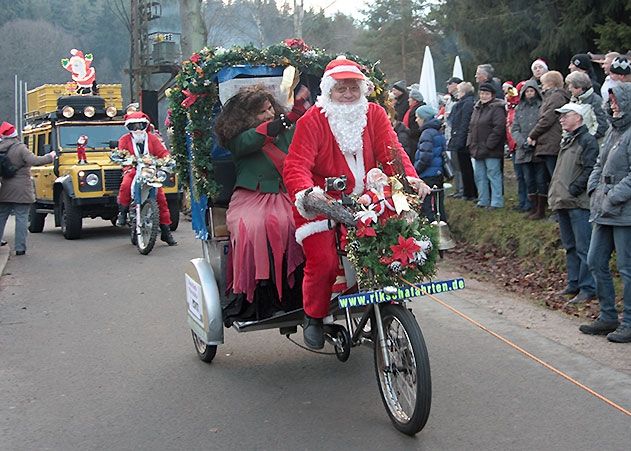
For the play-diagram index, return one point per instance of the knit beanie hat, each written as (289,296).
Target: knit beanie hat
(426,112)
(486,86)
(620,66)
(582,61)
(539,62)
(400,86)
(415,93)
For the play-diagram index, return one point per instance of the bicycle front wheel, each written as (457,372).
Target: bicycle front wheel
(404,377)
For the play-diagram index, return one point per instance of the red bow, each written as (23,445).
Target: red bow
(191,98)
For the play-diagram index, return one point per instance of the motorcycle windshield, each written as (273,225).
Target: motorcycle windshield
(99,136)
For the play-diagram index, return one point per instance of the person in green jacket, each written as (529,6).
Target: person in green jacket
(257,131)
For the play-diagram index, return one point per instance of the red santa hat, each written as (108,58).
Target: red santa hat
(136,116)
(342,68)
(7,130)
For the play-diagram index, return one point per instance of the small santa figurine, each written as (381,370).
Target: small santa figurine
(82,142)
(378,195)
(82,74)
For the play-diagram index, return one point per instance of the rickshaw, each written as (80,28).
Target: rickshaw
(379,319)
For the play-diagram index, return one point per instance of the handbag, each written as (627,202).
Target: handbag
(448,167)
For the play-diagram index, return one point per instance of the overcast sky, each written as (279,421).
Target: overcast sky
(349,7)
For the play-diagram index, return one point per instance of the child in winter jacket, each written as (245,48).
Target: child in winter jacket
(428,160)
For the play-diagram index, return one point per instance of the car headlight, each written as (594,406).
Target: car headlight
(89,111)
(148,172)
(111,111)
(67,112)
(92,179)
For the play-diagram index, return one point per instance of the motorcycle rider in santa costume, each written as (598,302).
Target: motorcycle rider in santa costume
(341,135)
(140,142)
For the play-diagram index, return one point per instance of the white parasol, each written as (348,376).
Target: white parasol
(457,69)
(428,80)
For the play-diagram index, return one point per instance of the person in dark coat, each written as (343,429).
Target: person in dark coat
(428,160)
(546,134)
(460,118)
(609,188)
(583,63)
(17,193)
(415,100)
(568,198)
(526,115)
(400,93)
(487,135)
(580,86)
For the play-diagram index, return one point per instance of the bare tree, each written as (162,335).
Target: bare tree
(194,33)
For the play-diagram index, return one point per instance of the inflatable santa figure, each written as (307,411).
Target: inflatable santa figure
(82,74)
(139,142)
(342,135)
(82,142)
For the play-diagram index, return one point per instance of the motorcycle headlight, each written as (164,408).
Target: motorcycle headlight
(148,172)
(92,179)
(161,176)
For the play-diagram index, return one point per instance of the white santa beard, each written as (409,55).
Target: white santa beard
(347,123)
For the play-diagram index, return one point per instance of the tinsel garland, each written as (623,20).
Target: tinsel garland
(194,95)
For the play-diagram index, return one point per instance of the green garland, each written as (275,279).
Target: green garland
(194,94)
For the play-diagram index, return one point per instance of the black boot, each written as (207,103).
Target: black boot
(313,333)
(165,235)
(121,221)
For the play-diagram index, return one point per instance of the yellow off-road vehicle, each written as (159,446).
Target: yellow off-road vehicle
(69,190)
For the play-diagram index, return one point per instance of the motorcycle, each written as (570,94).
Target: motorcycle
(144,216)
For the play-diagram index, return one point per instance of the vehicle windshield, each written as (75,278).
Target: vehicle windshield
(99,136)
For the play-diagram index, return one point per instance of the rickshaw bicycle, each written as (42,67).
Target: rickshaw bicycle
(379,318)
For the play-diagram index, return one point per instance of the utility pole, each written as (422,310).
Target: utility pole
(299,15)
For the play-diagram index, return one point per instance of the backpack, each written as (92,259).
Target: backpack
(7,168)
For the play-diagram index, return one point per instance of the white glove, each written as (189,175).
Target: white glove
(52,155)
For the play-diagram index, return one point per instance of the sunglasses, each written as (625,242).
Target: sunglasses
(136,126)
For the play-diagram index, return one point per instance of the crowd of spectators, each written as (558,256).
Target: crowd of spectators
(569,140)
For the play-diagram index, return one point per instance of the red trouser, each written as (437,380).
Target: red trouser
(321,269)
(124,196)
(81,154)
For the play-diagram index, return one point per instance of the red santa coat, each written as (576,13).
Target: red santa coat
(154,147)
(314,155)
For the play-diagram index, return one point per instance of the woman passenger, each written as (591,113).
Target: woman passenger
(254,128)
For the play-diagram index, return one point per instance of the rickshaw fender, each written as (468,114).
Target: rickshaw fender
(204,303)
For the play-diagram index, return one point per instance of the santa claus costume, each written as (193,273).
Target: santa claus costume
(334,139)
(82,142)
(140,142)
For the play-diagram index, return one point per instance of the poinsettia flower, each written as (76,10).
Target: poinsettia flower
(363,230)
(404,251)
(366,217)
(195,58)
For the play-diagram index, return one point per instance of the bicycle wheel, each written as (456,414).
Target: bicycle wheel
(405,383)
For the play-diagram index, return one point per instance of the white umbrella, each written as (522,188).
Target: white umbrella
(457,68)
(427,84)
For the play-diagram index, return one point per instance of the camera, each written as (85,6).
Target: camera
(335,183)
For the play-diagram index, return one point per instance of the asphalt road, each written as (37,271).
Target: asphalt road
(95,353)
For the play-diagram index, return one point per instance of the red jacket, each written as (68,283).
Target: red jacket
(153,144)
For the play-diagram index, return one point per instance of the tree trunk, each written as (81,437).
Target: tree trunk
(194,33)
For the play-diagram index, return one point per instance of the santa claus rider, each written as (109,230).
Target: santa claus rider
(343,134)
(140,142)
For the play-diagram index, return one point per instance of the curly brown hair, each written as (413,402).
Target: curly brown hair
(239,112)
